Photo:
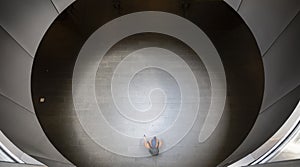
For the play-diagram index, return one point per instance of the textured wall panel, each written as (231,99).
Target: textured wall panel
(282,70)
(23,129)
(268,18)
(27,20)
(62,4)
(15,71)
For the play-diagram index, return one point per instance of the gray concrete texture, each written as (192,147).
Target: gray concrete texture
(22,29)
(76,133)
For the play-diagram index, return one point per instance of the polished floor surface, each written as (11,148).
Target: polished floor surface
(103,91)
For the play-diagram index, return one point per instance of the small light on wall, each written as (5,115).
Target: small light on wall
(42,99)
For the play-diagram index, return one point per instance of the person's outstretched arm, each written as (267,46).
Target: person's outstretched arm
(146,142)
(160,143)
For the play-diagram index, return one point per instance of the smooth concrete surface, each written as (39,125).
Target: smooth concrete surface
(171,25)
(15,71)
(281,73)
(275,144)
(15,14)
(7,164)
(235,4)
(15,151)
(267,19)
(52,79)
(54,162)
(21,31)
(21,21)
(60,5)
(281,64)
(293,163)
(265,121)
(25,140)
(152,91)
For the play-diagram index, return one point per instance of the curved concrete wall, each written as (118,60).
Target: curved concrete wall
(274,23)
(22,26)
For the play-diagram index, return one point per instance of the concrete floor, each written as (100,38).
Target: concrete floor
(133,97)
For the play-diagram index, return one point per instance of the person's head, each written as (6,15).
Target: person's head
(154,137)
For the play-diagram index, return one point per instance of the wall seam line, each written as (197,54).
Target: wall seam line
(11,100)
(275,102)
(65,163)
(280,34)
(27,52)
(54,6)
(238,8)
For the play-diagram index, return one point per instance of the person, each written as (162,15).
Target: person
(153,146)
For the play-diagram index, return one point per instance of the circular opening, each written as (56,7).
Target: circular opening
(65,40)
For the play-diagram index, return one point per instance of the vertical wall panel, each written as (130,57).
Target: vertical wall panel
(281,63)
(268,122)
(15,71)
(27,20)
(16,151)
(23,129)
(62,4)
(268,18)
(234,3)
